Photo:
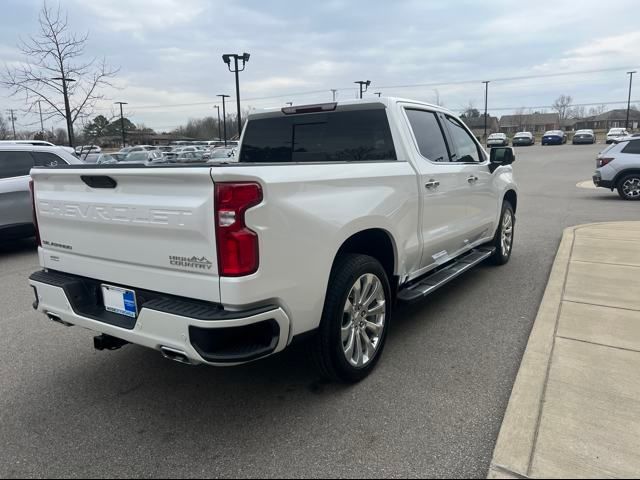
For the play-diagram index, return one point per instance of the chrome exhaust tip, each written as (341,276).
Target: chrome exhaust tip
(175,355)
(55,318)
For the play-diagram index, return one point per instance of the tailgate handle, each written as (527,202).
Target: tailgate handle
(99,181)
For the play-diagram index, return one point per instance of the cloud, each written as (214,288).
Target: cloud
(137,16)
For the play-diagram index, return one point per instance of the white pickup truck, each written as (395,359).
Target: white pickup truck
(331,214)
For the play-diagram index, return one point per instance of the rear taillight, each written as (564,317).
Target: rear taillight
(237,244)
(33,209)
(604,161)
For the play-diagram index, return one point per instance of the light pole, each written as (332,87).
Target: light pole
(217,107)
(13,124)
(41,122)
(486,106)
(224,117)
(378,93)
(365,84)
(290,104)
(124,141)
(226,58)
(67,107)
(334,91)
(629,104)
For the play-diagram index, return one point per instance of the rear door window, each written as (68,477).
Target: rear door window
(46,159)
(342,136)
(429,135)
(15,164)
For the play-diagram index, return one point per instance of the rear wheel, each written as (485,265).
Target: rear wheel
(503,241)
(629,187)
(355,319)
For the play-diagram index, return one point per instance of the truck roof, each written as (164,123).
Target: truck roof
(370,102)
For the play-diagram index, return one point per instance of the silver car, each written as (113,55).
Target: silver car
(16,160)
(618,167)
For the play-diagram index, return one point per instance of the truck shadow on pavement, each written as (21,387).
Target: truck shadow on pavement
(11,247)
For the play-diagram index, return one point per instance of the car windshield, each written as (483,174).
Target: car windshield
(616,131)
(523,134)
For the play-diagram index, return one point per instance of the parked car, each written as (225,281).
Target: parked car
(100,158)
(554,137)
(221,154)
(615,134)
(149,157)
(16,160)
(618,167)
(523,139)
(189,157)
(87,149)
(138,148)
(309,240)
(179,151)
(498,140)
(584,137)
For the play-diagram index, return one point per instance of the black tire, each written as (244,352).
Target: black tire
(327,346)
(502,256)
(635,195)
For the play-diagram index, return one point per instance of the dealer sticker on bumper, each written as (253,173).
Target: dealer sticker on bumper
(120,300)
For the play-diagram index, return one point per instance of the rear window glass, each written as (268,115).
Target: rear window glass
(15,164)
(632,147)
(352,136)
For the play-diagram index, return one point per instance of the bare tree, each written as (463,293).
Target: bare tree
(578,112)
(4,130)
(599,110)
(56,72)
(471,111)
(562,105)
(519,117)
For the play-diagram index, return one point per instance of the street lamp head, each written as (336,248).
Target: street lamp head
(120,103)
(226,58)
(368,83)
(245,57)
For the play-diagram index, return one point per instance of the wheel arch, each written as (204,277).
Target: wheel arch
(377,243)
(512,197)
(620,175)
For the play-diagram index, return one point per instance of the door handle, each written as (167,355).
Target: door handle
(432,184)
(472,179)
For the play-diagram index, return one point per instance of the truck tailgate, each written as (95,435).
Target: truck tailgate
(150,228)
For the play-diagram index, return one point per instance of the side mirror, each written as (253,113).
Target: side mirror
(501,156)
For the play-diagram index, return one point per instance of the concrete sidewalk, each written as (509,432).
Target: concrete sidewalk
(575,406)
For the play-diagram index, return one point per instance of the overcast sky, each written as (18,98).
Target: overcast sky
(169,51)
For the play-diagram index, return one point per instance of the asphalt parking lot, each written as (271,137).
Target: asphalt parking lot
(433,408)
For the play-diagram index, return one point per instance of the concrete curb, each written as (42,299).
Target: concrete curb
(515,447)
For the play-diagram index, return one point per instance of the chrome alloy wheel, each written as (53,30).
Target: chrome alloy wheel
(631,188)
(363,320)
(507,232)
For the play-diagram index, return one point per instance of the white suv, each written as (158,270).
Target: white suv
(618,168)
